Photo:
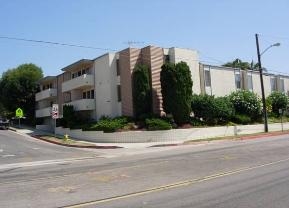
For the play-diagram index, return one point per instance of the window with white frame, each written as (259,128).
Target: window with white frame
(273,82)
(250,81)
(88,94)
(238,80)
(282,85)
(80,73)
(207,78)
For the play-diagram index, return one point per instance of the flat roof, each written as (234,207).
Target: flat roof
(77,64)
(250,70)
(46,79)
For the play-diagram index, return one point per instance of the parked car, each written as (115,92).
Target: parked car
(4,123)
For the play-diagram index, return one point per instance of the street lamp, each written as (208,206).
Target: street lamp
(261,80)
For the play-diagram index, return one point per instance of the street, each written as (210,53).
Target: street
(235,173)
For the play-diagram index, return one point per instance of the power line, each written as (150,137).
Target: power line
(275,37)
(56,43)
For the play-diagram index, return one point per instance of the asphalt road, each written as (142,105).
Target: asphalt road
(251,173)
(15,148)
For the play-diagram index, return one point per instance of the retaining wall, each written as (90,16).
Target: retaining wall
(167,135)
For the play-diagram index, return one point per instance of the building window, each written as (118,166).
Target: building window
(250,82)
(273,81)
(92,94)
(282,85)
(167,58)
(207,78)
(88,94)
(238,80)
(118,93)
(117,67)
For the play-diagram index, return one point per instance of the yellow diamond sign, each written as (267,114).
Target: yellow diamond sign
(19,113)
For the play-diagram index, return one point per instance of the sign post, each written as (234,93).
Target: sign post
(55,115)
(19,115)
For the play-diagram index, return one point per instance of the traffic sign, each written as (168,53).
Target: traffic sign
(55,113)
(19,113)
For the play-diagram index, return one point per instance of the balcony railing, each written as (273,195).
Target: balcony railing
(80,82)
(44,112)
(46,94)
(82,104)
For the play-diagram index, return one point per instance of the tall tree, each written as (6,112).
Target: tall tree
(176,83)
(142,95)
(18,87)
(238,63)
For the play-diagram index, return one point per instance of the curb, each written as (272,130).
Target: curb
(166,145)
(263,136)
(77,146)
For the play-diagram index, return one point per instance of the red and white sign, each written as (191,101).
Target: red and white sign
(55,113)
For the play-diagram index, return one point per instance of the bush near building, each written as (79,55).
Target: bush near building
(275,101)
(157,124)
(246,103)
(142,96)
(107,124)
(176,84)
(211,110)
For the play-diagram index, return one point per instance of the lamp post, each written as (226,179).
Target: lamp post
(261,80)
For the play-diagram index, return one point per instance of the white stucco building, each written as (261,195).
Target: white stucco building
(103,86)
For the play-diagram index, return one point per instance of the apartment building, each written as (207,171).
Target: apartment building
(221,81)
(44,100)
(103,86)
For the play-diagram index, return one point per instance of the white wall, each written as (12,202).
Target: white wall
(106,86)
(267,84)
(191,57)
(222,81)
(172,135)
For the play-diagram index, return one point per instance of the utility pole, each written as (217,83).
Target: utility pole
(262,85)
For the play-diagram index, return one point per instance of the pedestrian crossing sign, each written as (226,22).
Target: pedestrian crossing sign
(19,113)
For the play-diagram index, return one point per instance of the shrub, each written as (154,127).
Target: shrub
(142,96)
(107,125)
(246,103)
(277,100)
(157,124)
(212,110)
(176,84)
(197,122)
(69,119)
(242,119)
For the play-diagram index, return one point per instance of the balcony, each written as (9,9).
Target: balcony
(46,94)
(82,104)
(44,112)
(80,82)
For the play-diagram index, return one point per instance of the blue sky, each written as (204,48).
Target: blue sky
(221,30)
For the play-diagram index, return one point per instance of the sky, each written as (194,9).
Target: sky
(220,30)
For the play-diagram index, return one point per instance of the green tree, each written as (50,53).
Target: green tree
(238,63)
(277,100)
(142,95)
(176,84)
(18,87)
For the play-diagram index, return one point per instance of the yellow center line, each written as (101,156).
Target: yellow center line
(174,185)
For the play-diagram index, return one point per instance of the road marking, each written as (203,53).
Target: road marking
(4,156)
(41,163)
(174,185)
